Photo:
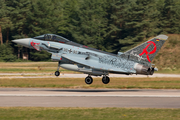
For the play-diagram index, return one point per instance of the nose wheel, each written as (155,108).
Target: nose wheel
(88,80)
(57,73)
(105,79)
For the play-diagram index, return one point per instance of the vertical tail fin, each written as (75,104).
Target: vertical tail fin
(148,50)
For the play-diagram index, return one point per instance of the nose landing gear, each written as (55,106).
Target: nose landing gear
(57,73)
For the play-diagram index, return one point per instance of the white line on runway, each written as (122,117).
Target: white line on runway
(55,95)
(84,75)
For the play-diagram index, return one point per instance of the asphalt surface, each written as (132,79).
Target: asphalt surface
(45,97)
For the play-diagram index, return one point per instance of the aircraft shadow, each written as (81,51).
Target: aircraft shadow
(71,90)
(91,90)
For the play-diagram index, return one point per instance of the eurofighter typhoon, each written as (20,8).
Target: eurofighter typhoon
(77,57)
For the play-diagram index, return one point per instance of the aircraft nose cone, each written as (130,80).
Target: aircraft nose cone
(23,42)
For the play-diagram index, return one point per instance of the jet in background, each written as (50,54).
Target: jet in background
(77,57)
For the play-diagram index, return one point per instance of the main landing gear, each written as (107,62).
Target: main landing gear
(89,79)
(105,79)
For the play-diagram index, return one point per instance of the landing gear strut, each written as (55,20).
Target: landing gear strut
(57,73)
(105,79)
(88,80)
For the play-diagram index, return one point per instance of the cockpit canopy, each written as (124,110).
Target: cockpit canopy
(52,37)
(56,38)
(60,39)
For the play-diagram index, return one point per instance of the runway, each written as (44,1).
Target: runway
(46,97)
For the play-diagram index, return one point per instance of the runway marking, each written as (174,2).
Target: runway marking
(50,95)
(17,75)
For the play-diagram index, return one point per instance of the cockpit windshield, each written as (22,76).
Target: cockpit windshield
(52,37)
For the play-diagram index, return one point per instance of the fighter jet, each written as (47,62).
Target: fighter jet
(81,58)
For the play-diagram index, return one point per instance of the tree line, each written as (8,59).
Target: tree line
(108,25)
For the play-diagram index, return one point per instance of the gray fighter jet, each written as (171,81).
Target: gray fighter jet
(77,57)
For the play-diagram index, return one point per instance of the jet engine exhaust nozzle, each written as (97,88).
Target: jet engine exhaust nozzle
(141,69)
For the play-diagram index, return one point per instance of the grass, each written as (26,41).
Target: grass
(31,70)
(51,67)
(28,64)
(36,113)
(169,71)
(123,83)
(31,67)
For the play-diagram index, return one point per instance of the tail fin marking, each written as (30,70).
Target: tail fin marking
(147,51)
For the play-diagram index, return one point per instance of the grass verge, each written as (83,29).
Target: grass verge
(33,70)
(44,67)
(38,113)
(28,64)
(123,83)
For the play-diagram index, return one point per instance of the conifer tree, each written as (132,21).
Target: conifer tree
(89,25)
(1,17)
(5,21)
(6,53)
(43,17)
(18,11)
(132,22)
(170,17)
(118,16)
(68,10)
(110,25)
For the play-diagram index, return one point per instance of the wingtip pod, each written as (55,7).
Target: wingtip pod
(162,37)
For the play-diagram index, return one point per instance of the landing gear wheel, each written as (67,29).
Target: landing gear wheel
(57,73)
(105,79)
(88,80)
